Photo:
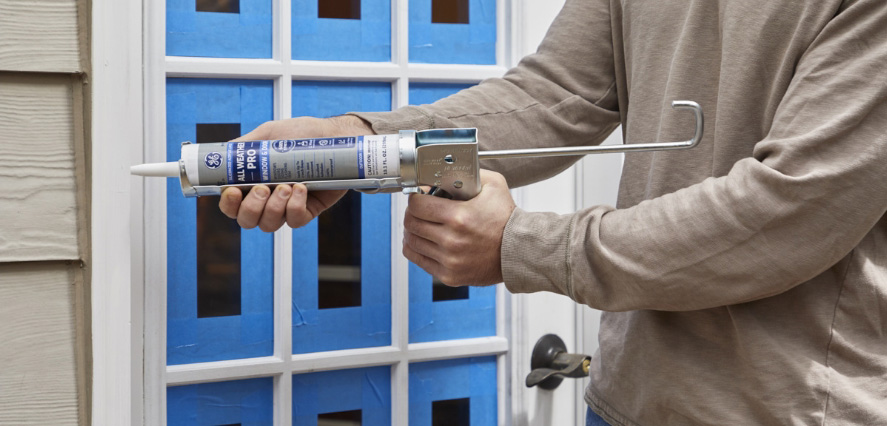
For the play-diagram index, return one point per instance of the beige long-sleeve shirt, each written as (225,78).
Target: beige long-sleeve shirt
(745,280)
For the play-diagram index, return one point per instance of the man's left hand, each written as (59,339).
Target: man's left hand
(459,242)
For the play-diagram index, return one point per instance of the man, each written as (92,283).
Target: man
(745,281)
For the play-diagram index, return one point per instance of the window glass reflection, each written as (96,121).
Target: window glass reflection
(451,412)
(441,291)
(338,247)
(449,11)
(341,418)
(221,6)
(338,9)
(218,243)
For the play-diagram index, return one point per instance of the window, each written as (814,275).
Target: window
(326,324)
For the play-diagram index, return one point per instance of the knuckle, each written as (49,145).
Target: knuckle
(451,263)
(447,242)
(245,224)
(447,278)
(252,209)
(459,221)
(409,223)
(267,227)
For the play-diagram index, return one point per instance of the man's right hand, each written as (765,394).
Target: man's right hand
(290,204)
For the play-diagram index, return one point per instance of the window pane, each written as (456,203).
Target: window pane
(449,391)
(341,418)
(338,246)
(218,6)
(216,308)
(341,30)
(449,11)
(439,312)
(218,28)
(218,242)
(342,261)
(441,292)
(451,412)
(246,402)
(343,397)
(338,9)
(448,32)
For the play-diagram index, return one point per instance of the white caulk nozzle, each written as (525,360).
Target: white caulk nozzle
(170,169)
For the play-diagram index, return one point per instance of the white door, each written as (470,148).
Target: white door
(263,340)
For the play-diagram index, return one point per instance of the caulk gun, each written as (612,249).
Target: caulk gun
(444,159)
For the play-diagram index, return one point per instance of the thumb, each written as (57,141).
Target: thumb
(257,134)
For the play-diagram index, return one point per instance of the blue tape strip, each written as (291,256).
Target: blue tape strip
(247,402)
(364,39)
(428,93)
(369,324)
(365,389)
(473,378)
(449,319)
(219,35)
(326,99)
(472,43)
(191,339)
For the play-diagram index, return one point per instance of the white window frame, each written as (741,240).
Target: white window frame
(282,70)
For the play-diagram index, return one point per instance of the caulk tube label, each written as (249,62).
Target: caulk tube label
(298,160)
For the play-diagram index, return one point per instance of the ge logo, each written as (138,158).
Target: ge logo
(213,160)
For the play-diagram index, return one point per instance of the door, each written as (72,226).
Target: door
(327,324)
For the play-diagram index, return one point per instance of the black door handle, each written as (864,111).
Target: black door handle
(550,363)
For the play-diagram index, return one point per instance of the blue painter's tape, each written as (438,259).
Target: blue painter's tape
(324,39)
(472,43)
(354,327)
(369,324)
(473,378)
(449,319)
(189,338)
(219,35)
(428,93)
(326,99)
(245,402)
(365,389)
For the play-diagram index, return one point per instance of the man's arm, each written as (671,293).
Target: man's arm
(815,186)
(564,94)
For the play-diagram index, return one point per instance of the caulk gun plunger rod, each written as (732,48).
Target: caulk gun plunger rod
(170,169)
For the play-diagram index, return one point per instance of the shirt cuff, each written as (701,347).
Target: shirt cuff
(535,252)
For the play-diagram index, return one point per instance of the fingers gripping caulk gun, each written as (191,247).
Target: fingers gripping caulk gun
(444,159)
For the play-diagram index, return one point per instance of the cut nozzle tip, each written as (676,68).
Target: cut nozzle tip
(170,169)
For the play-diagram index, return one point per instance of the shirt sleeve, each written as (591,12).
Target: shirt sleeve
(814,187)
(564,94)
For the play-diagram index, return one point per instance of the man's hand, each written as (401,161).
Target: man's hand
(459,242)
(293,205)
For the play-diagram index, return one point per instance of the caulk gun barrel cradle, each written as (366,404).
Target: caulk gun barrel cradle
(445,159)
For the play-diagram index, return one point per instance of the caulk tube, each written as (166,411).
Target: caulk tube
(207,167)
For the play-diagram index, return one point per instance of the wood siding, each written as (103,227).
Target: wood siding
(37,170)
(44,208)
(38,383)
(40,35)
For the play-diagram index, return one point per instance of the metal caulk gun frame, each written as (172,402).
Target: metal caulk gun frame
(448,161)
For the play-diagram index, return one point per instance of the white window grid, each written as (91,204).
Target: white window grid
(283,70)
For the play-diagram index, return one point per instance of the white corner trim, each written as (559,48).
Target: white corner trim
(116,130)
